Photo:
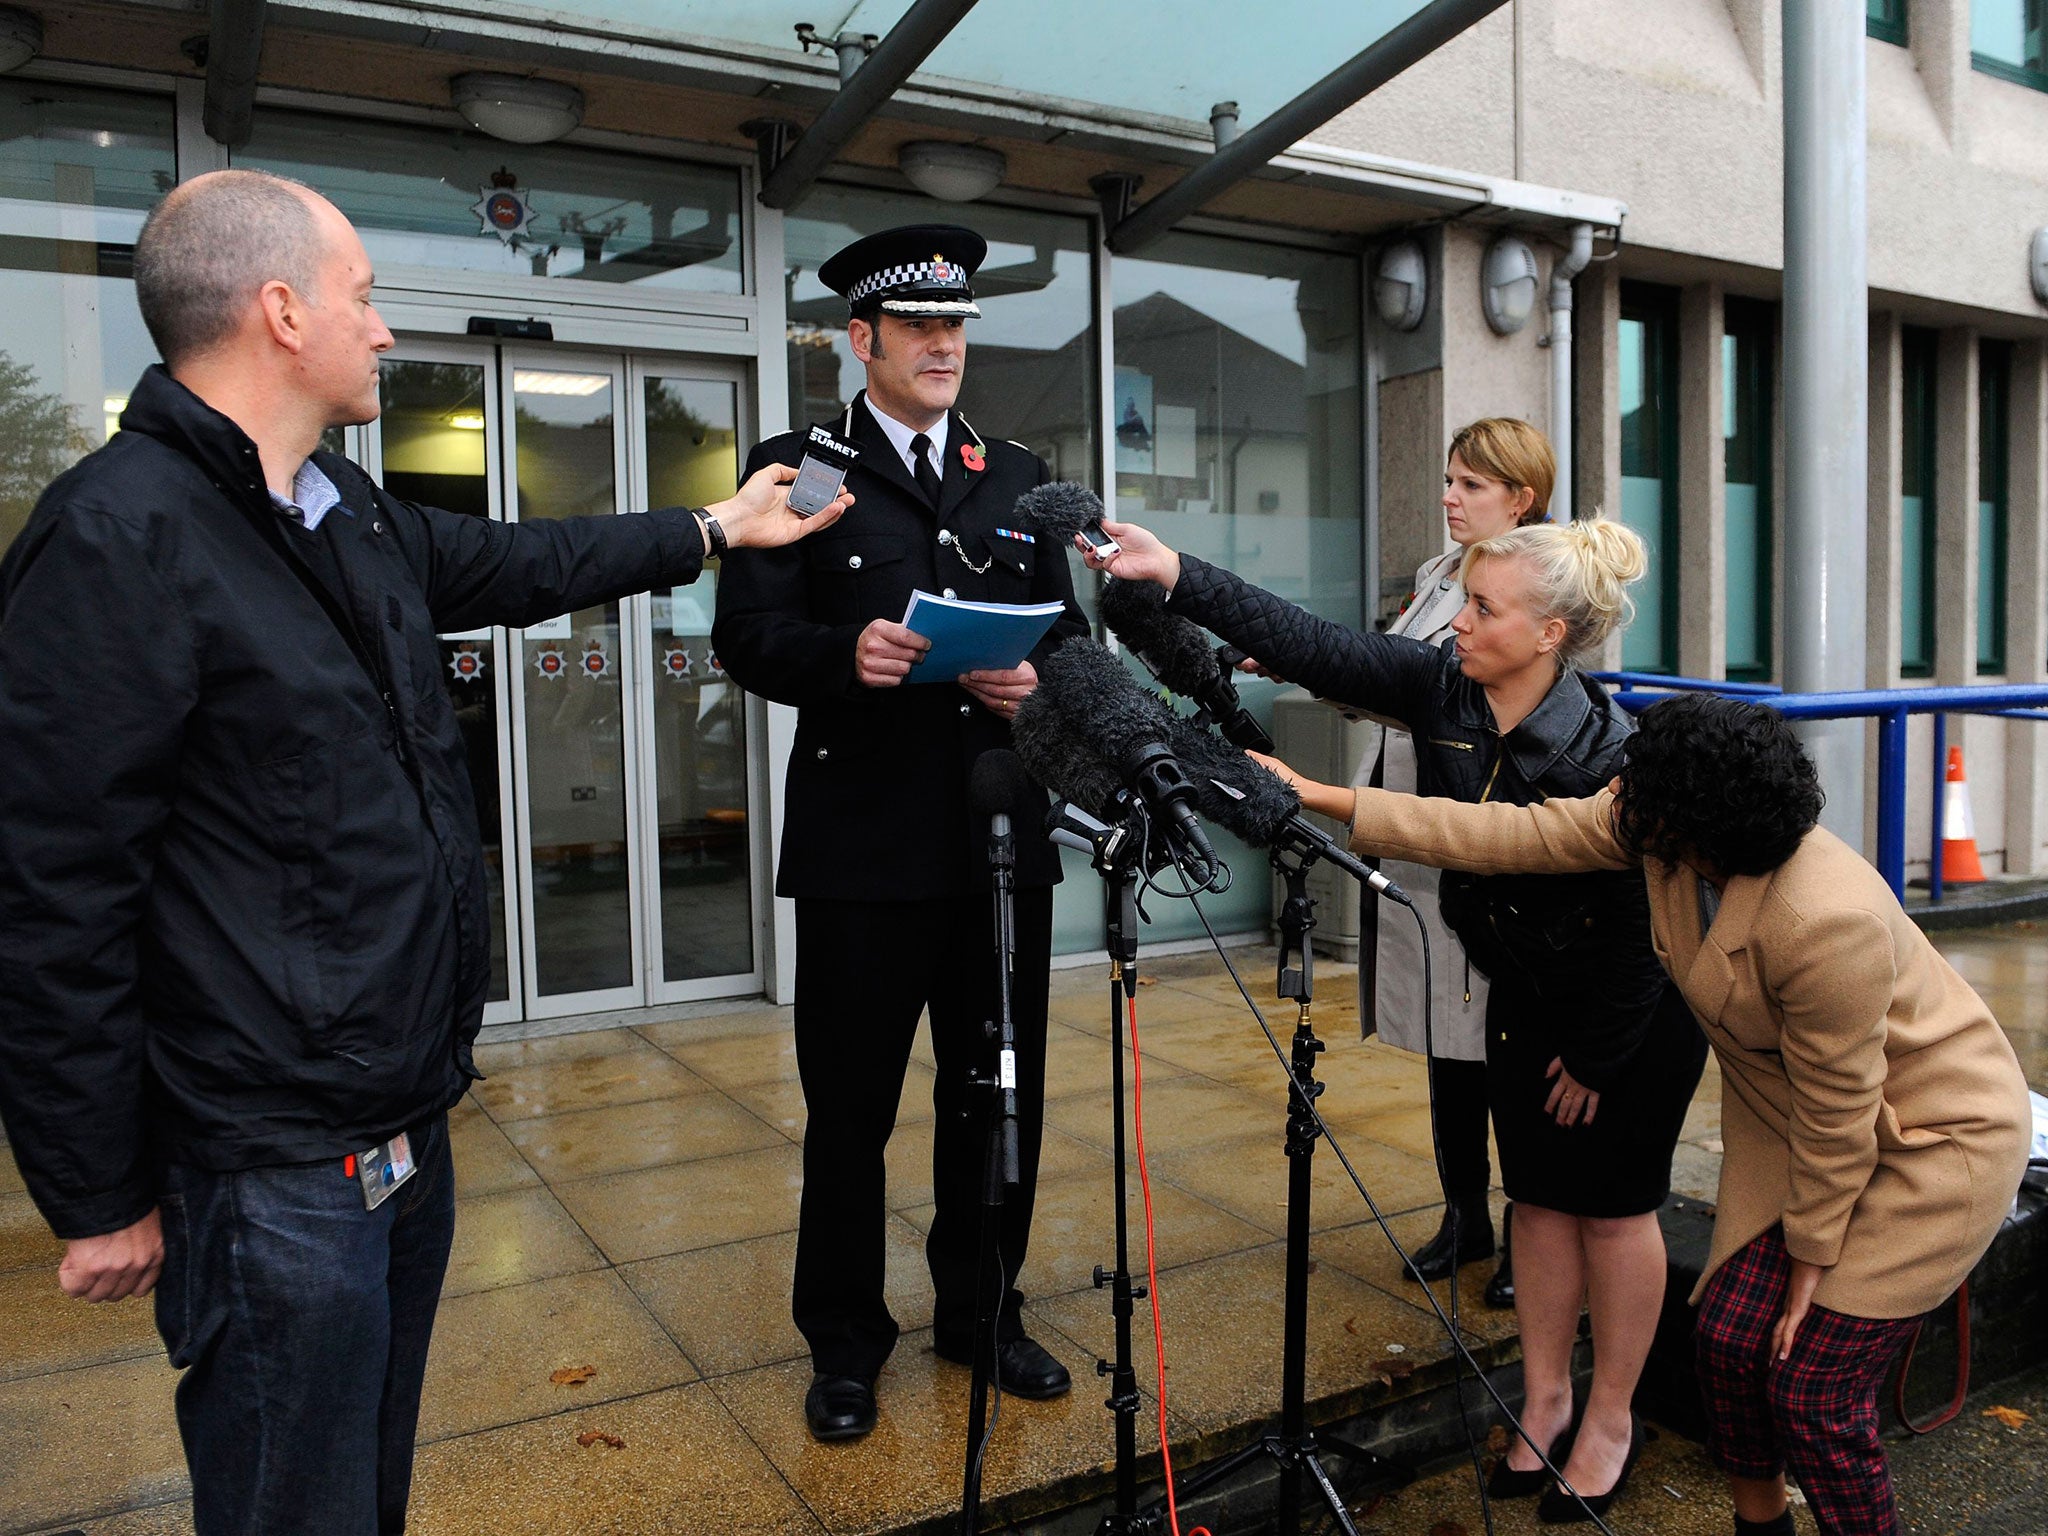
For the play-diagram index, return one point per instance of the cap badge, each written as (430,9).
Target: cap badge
(940,269)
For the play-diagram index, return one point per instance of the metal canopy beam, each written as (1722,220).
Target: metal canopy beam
(234,44)
(896,57)
(1420,35)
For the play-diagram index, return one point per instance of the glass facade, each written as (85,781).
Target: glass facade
(2009,39)
(1886,20)
(422,197)
(79,171)
(1916,503)
(1747,346)
(1649,469)
(1994,443)
(1238,424)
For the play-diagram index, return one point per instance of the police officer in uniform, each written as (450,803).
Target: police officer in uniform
(887,867)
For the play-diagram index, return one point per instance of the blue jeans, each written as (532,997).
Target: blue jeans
(301,1322)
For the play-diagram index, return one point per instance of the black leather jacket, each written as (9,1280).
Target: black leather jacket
(1581,942)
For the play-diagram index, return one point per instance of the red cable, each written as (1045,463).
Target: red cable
(1152,1271)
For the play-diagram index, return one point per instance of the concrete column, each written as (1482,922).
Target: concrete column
(1596,408)
(1955,508)
(1702,485)
(1411,472)
(2026,586)
(1882,549)
(1826,385)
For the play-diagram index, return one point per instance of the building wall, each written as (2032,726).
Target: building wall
(1683,120)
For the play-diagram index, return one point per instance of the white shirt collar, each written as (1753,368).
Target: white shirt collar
(899,436)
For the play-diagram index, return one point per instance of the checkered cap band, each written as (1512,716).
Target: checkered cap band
(920,273)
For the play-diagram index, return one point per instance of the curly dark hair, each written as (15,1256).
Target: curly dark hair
(1718,783)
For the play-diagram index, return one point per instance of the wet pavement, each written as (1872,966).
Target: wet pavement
(627,1201)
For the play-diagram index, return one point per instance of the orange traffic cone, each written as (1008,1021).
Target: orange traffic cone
(1959,862)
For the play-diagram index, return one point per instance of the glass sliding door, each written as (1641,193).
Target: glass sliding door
(701,839)
(564,457)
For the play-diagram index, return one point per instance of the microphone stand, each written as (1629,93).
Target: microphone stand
(1120,894)
(1001,1169)
(1297,1448)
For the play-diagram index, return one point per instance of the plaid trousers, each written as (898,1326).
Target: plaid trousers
(1816,1413)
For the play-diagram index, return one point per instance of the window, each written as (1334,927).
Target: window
(2007,40)
(414,195)
(1916,504)
(1649,469)
(1885,20)
(1746,351)
(1994,395)
(79,171)
(1239,437)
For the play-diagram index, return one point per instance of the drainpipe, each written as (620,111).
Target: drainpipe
(1562,271)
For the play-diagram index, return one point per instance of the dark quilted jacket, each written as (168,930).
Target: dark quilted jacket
(1581,940)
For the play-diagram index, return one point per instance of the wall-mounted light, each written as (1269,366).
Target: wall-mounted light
(515,108)
(21,38)
(1507,284)
(953,173)
(1400,284)
(2038,264)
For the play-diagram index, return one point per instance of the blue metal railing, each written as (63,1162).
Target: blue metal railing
(1637,691)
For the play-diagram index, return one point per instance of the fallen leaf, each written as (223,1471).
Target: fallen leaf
(1148,981)
(1394,1370)
(1351,1325)
(1497,1439)
(573,1375)
(2011,1418)
(591,1437)
(1447,1528)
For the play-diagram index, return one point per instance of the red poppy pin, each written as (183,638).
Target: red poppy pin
(971,456)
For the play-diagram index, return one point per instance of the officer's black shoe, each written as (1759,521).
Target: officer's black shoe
(1022,1367)
(1433,1260)
(839,1407)
(1500,1290)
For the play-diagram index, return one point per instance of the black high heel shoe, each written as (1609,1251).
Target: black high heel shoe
(1560,1508)
(1474,1240)
(1506,1482)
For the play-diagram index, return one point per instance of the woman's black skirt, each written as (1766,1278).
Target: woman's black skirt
(1620,1165)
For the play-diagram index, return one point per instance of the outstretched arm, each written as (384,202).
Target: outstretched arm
(1390,675)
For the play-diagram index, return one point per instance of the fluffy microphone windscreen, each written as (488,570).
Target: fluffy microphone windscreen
(998,783)
(1262,805)
(1101,701)
(1178,653)
(1060,509)
(1058,758)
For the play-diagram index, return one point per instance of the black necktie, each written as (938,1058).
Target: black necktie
(921,467)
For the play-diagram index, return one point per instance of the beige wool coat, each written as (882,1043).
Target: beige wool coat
(1870,1102)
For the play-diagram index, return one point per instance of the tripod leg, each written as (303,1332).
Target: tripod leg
(1338,1511)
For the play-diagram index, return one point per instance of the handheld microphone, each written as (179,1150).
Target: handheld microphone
(1176,652)
(1235,792)
(1061,509)
(1103,704)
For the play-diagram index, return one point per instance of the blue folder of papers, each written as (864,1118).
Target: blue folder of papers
(974,637)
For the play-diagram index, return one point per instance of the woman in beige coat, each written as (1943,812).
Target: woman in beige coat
(1875,1120)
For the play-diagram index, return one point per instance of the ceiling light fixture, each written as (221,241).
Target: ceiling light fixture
(532,381)
(515,108)
(21,38)
(953,173)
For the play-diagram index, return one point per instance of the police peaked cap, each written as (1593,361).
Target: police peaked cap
(919,269)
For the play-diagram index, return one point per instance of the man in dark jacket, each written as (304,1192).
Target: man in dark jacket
(243,929)
(889,874)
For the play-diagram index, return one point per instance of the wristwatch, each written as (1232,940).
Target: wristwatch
(714,536)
